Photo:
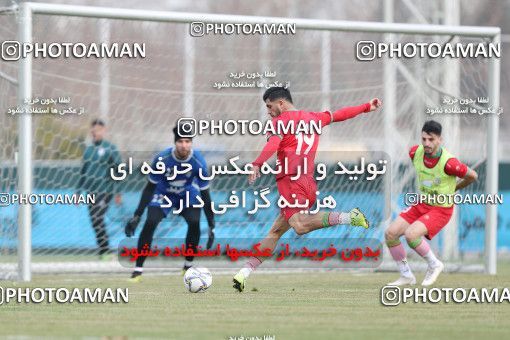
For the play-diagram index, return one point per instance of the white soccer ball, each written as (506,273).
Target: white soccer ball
(197,280)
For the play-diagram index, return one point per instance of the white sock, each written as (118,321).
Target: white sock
(404,268)
(139,269)
(250,266)
(188,263)
(335,218)
(246,272)
(431,259)
(345,218)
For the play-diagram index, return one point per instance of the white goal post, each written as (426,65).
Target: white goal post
(28,10)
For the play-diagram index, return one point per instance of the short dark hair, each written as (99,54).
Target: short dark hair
(431,126)
(177,135)
(274,93)
(97,122)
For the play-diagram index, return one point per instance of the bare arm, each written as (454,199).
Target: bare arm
(471,177)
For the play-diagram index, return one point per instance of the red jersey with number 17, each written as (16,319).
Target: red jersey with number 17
(299,150)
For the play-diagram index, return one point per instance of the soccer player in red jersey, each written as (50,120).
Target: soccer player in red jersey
(437,171)
(296,150)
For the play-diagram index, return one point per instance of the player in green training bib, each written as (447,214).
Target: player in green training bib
(437,171)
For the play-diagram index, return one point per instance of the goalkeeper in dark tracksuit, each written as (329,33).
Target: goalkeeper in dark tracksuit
(95,178)
(175,190)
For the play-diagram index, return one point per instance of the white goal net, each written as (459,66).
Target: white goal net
(141,99)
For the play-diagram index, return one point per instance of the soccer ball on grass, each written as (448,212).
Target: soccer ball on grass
(197,280)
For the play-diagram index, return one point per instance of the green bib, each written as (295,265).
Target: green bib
(435,181)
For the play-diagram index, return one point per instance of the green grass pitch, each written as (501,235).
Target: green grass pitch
(325,305)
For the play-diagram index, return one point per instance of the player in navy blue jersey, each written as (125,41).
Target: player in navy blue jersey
(178,188)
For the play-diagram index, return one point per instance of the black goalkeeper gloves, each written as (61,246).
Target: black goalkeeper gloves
(131,225)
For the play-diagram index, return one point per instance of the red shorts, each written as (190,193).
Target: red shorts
(304,189)
(434,218)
